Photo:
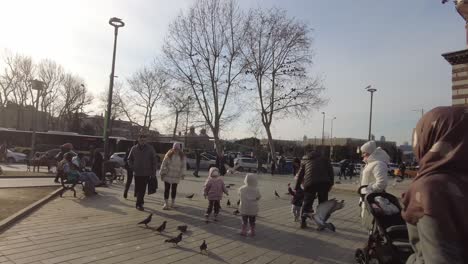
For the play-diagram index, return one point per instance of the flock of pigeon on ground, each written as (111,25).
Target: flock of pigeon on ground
(320,217)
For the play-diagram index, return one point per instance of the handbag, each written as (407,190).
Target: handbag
(152,184)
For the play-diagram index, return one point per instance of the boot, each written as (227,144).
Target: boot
(173,206)
(304,221)
(207,217)
(166,205)
(243,230)
(215,217)
(252,231)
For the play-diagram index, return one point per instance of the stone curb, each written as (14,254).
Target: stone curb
(6,223)
(31,186)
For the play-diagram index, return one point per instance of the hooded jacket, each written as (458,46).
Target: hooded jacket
(375,172)
(249,194)
(214,186)
(315,169)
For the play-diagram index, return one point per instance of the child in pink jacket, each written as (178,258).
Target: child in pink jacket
(214,188)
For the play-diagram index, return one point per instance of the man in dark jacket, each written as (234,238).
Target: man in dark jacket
(142,160)
(316,175)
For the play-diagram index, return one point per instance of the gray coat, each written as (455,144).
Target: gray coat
(142,159)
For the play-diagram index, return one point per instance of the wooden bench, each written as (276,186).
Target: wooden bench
(68,185)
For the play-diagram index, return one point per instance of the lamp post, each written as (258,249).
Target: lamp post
(116,23)
(331,137)
(39,86)
(186,121)
(419,110)
(323,129)
(371,91)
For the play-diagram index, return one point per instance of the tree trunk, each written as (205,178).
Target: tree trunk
(270,141)
(175,125)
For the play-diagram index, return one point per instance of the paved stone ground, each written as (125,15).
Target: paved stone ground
(102,229)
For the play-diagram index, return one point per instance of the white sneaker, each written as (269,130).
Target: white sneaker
(173,204)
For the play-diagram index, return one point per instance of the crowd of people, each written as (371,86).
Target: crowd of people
(433,206)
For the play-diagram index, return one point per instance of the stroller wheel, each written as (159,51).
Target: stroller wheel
(360,256)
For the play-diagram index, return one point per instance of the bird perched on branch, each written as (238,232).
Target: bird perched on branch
(190,196)
(146,221)
(175,240)
(203,248)
(161,227)
(182,228)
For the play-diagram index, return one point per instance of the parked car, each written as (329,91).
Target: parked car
(15,157)
(392,167)
(336,168)
(118,158)
(249,164)
(206,161)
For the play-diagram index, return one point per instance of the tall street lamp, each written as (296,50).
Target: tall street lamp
(116,23)
(331,137)
(420,110)
(371,91)
(323,129)
(39,86)
(186,121)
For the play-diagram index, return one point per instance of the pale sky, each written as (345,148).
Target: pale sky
(394,45)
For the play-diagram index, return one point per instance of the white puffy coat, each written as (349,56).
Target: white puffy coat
(249,195)
(375,172)
(173,169)
(375,175)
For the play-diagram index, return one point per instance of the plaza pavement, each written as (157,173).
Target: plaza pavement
(102,229)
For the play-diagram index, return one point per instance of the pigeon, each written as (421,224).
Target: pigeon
(276,194)
(146,221)
(228,187)
(236,212)
(324,211)
(238,202)
(228,204)
(190,196)
(182,228)
(175,240)
(161,227)
(203,248)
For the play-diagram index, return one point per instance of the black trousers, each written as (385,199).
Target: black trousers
(215,204)
(167,188)
(129,181)
(140,188)
(248,219)
(318,189)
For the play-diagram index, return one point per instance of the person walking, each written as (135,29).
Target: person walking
(129,174)
(142,160)
(249,194)
(374,174)
(402,169)
(173,169)
(221,163)
(316,175)
(97,165)
(273,166)
(434,206)
(197,163)
(213,191)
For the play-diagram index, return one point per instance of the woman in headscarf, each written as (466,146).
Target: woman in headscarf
(374,174)
(173,169)
(435,203)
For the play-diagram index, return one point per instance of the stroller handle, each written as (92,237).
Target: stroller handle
(359,191)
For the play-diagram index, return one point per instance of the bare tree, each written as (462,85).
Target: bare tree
(73,98)
(203,52)
(52,74)
(277,54)
(179,101)
(146,88)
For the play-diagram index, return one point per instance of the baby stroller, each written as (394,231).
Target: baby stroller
(388,241)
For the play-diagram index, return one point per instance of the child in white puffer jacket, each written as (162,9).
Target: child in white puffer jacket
(249,195)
